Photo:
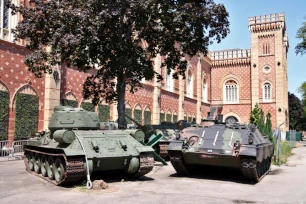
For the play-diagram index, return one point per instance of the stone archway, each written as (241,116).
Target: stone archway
(138,114)
(4,111)
(128,111)
(69,99)
(168,116)
(147,116)
(87,105)
(162,115)
(104,112)
(26,104)
(231,120)
(174,117)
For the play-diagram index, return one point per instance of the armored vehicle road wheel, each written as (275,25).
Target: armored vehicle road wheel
(179,165)
(50,168)
(43,167)
(37,163)
(31,161)
(146,164)
(59,170)
(253,170)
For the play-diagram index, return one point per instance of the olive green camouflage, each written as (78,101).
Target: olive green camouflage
(236,146)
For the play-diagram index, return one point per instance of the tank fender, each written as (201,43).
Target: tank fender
(247,151)
(141,149)
(176,145)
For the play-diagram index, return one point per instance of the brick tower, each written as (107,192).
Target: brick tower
(269,81)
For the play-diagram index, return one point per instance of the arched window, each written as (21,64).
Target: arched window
(231,92)
(267,92)
(169,81)
(7,21)
(189,84)
(204,92)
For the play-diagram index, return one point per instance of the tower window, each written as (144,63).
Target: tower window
(231,92)
(266,49)
(267,92)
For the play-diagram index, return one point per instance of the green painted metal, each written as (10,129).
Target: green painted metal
(26,118)
(4,111)
(104,112)
(154,139)
(76,133)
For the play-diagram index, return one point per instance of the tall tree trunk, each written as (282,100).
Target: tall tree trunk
(121,100)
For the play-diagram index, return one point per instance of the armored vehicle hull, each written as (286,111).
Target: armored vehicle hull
(76,147)
(220,145)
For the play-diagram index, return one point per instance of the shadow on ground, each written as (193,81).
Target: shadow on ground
(216,173)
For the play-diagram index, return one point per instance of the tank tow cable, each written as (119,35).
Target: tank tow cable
(89,183)
(230,142)
(215,138)
(201,140)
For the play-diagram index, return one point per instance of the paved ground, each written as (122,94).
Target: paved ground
(286,184)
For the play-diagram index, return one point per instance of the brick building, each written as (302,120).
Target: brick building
(227,82)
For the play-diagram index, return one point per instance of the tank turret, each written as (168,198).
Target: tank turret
(73,118)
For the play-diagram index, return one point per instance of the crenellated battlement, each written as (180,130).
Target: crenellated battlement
(230,57)
(269,22)
(230,54)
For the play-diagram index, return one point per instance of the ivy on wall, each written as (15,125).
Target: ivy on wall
(88,106)
(168,117)
(147,117)
(66,102)
(174,118)
(104,113)
(162,117)
(128,112)
(4,111)
(26,118)
(189,119)
(185,117)
(138,116)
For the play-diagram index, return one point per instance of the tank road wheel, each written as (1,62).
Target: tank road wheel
(31,161)
(37,163)
(43,167)
(50,167)
(59,170)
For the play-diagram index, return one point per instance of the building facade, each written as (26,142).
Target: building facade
(227,83)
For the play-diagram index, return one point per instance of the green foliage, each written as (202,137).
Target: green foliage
(138,116)
(285,153)
(261,122)
(66,102)
(104,113)
(128,111)
(168,117)
(295,113)
(147,117)
(162,117)
(268,127)
(174,118)
(111,34)
(26,118)
(4,111)
(301,34)
(88,106)
(255,114)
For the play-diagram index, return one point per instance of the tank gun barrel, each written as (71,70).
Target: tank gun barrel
(129,117)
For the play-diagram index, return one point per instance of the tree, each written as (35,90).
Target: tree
(261,121)
(301,34)
(109,34)
(295,111)
(254,116)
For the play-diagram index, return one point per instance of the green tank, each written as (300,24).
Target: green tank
(78,144)
(235,146)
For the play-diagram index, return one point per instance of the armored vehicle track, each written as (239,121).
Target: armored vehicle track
(255,171)
(146,164)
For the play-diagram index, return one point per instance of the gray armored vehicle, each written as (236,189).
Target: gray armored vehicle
(76,146)
(235,146)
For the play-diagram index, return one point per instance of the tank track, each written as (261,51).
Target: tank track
(74,168)
(254,171)
(146,164)
(163,150)
(178,164)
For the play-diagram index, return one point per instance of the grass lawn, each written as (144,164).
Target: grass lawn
(285,153)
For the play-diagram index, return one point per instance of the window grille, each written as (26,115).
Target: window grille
(231,92)
(267,92)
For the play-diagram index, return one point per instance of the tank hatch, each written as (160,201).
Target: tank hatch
(65,117)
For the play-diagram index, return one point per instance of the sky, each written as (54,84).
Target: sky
(239,37)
